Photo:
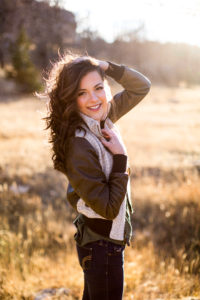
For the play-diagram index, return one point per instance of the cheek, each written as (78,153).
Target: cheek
(105,105)
(80,103)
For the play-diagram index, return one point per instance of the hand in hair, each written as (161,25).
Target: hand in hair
(103,64)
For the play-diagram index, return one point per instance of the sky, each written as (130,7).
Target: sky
(163,20)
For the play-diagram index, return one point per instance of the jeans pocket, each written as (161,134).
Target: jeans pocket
(116,250)
(85,257)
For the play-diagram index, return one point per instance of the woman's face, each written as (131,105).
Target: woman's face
(92,99)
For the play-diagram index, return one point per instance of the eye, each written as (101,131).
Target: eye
(81,93)
(99,88)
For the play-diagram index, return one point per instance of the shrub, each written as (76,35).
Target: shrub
(23,70)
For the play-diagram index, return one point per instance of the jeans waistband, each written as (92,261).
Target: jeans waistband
(105,243)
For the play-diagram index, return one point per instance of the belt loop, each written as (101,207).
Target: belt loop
(101,243)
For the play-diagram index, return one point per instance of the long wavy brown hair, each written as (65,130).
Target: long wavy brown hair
(62,85)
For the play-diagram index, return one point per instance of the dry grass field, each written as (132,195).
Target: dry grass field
(162,135)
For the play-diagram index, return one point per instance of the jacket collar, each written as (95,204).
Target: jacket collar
(92,124)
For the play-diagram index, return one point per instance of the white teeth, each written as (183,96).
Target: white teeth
(94,107)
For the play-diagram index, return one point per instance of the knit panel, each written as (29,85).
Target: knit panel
(106,161)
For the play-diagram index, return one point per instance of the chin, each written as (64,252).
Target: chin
(97,117)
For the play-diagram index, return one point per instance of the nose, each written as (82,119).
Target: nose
(93,96)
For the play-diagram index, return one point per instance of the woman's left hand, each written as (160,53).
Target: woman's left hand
(112,142)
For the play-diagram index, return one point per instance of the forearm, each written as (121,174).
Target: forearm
(129,78)
(135,84)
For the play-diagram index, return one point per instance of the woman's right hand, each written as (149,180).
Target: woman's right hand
(112,142)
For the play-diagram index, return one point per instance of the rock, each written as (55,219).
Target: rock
(191,298)
(47,294)
(19,188)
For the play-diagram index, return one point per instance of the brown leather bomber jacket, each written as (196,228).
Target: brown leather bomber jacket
(86,177)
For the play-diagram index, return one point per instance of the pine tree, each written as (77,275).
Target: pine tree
(24,71)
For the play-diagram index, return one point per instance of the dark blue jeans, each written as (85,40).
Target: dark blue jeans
(102,263)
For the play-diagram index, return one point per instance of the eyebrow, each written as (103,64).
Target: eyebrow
(94,86)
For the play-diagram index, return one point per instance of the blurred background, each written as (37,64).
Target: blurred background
(159,39)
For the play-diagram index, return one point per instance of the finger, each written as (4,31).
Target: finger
(106,135)
(107,131)
(104,142)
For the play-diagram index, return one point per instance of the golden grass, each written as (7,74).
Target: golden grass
(163,129)
(36,232)
(145,277)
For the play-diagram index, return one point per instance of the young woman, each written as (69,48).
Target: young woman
(88,148)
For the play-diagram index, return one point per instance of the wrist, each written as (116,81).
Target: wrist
(114,70)
(119,163)
(119,153)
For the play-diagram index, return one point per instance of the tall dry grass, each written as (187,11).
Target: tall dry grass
(36,232)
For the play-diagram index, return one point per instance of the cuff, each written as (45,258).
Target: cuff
(119,163)
(114,70)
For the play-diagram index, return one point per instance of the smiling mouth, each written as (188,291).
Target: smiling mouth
(95,107)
